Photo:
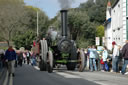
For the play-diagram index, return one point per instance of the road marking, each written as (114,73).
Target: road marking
(126,73)
(11,80)
(6,79)
(36,67)
(66,75)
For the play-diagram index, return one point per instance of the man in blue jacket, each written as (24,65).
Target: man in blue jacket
(10,56)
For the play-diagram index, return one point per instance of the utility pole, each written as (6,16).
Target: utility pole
(37,14)
(37,23)
(37,1)
(37,17)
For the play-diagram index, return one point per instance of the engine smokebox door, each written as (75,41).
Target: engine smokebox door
(65,45)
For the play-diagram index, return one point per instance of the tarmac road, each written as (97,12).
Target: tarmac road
(28,75)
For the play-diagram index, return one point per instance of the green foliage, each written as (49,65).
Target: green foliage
(112,1)
(100,31)
(82,30)
(83,43)
(77,20)
(15,18)
(12,18)
(96,11)
(24,39)
(43,20)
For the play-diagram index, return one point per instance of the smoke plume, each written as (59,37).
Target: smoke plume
(65,4)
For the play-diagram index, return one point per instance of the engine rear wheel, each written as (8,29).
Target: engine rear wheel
(44,51)
(81,61)
(42,66)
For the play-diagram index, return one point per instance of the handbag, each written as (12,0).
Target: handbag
(101,61)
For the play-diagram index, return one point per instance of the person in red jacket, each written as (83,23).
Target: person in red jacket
(125,56)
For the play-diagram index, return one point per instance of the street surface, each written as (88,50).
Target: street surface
(29,75)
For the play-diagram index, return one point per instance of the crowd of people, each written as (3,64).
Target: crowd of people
(105,62)
(12,58)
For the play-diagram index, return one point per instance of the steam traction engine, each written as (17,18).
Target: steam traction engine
(60,49)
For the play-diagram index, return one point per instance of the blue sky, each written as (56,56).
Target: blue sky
(50,7)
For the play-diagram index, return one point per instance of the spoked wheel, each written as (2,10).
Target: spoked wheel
(81,61)
(50,62)
(43,56)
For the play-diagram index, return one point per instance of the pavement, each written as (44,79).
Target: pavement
(103,78)
(29,75)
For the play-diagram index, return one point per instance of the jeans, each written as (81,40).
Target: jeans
(98,64)
(105,66)
(124,66)
(93,63)
(115,64)
(33,62)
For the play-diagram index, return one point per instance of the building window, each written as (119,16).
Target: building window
(114,38)
(113,30)
(119,5)
(119,38)
(114,11)
(118,28)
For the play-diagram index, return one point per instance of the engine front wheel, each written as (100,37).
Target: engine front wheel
(50,62)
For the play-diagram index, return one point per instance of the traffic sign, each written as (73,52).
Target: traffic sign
(97,40)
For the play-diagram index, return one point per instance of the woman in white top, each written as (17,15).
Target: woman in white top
(104,57)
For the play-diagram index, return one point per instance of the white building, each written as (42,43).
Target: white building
(116,25)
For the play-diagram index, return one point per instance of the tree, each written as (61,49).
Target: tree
(76,20)
(43,20)
(16,18)
(100,31)
(96,11)
(25,39)
(12,18)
